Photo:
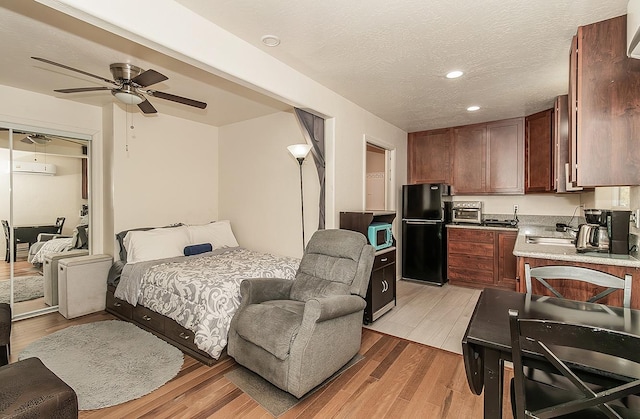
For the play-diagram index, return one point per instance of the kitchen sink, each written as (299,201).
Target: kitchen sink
(558,241)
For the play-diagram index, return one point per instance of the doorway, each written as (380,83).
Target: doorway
(379,173)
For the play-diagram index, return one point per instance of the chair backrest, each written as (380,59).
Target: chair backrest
(545,335)
(59,224)
(335,262)
(5,228)
(576,273)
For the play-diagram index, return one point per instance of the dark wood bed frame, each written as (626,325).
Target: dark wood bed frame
(161,326)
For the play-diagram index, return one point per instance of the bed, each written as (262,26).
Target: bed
(187,300)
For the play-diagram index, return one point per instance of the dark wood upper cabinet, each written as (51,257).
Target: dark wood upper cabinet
(505,156)
(606,115)
(489,158)
(469,159)
(538,152)
(429,156)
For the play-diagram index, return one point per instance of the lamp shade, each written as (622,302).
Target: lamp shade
(128,97)
(299,151)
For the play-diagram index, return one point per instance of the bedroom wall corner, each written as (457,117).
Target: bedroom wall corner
(260,184)
(164,168)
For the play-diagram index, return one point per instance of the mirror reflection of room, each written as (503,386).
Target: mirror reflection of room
(46,215)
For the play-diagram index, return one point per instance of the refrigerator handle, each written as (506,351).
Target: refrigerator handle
(422,221)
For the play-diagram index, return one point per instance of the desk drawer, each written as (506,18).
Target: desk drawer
(384,259)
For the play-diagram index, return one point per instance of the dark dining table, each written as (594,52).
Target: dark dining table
(486,344)
(29,233)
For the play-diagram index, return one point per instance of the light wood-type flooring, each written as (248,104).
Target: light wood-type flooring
(435,316)
(397,379)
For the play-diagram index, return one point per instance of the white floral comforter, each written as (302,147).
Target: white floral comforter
(201,293)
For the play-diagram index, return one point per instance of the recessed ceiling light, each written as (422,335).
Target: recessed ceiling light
(473,108)
(271,40)
(454,74)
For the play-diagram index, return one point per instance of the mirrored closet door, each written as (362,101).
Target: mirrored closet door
(44,183)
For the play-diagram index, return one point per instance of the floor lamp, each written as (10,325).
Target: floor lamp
(300,151)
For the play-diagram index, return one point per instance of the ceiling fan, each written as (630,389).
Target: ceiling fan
(130,82)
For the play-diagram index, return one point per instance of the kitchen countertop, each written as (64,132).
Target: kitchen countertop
(564,252)
(554,251)
(481,227)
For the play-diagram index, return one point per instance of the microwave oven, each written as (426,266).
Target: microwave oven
(380,236)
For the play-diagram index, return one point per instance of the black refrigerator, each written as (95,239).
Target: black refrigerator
(426,208)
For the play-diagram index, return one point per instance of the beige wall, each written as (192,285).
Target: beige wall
(165,170)
(260,187)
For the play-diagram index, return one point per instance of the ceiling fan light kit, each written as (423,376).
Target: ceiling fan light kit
(129,81)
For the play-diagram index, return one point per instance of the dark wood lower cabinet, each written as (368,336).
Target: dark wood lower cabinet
(381,294)
(577,290)
(481,258)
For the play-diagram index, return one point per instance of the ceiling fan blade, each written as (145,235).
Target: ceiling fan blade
(148,78)
(82,89)
(178,99)
(147,107)
(44,60)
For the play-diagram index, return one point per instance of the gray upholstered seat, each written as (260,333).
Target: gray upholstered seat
(296,334)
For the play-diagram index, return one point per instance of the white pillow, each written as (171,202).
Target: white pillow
(158,243)
(218,233)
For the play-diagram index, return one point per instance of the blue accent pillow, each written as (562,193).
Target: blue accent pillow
(196,249)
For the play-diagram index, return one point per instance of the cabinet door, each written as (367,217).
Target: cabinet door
(469,159)
(505,156)
(608,114)
(538,147)
(507,262)
(560,143)
(429,156)
(573,111)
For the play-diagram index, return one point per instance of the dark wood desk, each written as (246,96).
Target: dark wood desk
(487,343)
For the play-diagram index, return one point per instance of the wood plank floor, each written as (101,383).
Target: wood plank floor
(397,379)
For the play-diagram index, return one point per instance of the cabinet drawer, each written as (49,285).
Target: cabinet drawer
(174,331)
(470,235)
(118,306)
(471,262)
(479,249)
(470,275)
(148,318)
(384,259)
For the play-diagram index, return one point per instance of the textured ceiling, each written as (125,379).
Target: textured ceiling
(390,57)
(29,29)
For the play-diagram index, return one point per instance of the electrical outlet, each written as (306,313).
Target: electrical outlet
(515,207)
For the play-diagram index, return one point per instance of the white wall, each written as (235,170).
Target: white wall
(49,113)
(534,204)
(165,170)
(260,184)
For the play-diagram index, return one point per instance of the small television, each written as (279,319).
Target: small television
(380,236)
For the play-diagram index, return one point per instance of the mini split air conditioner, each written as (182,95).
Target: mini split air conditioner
(34,168)
(633,28)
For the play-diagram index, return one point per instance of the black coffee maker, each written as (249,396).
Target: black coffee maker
(618,229)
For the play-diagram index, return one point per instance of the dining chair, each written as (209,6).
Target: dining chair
(576,273)
(530,398)
(7,233)
(59,224)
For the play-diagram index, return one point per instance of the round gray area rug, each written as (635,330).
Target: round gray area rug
(108,362)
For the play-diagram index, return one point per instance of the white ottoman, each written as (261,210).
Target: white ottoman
(82,284)
(50,270)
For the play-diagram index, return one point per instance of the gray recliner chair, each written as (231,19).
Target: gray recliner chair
(296,334)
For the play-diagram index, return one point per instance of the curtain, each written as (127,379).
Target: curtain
(313,131)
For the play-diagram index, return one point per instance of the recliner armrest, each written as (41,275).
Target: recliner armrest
(257,290)
(327,308)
